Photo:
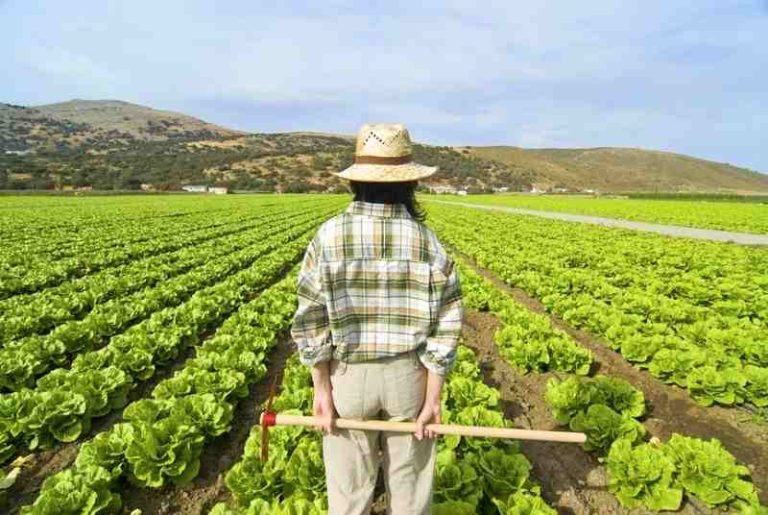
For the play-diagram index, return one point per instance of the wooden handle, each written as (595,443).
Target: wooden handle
(443,429)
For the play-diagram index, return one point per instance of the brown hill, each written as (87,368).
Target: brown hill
(139,121)
(624,169)
(115,144)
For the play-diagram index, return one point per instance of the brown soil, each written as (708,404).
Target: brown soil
(572,480)
(218,455)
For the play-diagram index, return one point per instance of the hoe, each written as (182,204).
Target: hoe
(269,418)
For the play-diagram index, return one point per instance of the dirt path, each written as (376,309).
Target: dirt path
(218,456)
(741,238)
(670,409)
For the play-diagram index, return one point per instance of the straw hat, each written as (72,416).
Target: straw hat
(383,154)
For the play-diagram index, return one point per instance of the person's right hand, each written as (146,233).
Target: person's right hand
(430,414)
(430,410)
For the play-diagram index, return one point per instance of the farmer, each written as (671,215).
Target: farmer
(378,321)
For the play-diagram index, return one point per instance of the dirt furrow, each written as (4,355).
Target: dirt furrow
(218,455)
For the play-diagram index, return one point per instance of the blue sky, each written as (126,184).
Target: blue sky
(688,76)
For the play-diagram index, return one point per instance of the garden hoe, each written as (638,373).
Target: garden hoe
(270,418)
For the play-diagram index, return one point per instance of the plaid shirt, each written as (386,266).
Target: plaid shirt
(374,283)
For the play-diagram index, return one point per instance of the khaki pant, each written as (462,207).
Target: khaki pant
(388,389)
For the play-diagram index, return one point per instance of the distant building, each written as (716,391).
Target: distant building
(442,189)
(200,188)
(195,188)
(502,189)
(19,152)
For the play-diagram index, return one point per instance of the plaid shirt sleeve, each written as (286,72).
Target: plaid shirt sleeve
(439,353)
(310,329)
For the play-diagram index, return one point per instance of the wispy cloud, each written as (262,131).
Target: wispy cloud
(685,76)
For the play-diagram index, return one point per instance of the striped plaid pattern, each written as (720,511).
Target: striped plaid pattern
(375,283)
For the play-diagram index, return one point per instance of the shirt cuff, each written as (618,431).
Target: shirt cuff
(439,363)
(311,356)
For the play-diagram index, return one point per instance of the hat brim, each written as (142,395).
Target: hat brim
(386,173)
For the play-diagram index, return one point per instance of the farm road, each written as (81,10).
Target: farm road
(740,238)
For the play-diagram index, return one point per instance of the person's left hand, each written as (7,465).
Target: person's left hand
(322,403)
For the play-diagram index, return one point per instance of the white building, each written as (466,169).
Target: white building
(195,188)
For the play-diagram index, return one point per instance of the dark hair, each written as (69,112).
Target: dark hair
(390,193)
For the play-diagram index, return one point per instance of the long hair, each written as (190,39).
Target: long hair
(390,193)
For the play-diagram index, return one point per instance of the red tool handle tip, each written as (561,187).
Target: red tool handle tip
(269,418)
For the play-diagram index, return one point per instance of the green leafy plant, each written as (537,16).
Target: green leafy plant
(709,472)
(643,476)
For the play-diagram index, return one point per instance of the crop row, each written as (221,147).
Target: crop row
(608,410)
(51,224)
(527,340)
(653,474)
(84,237)
(161,438)
(43,241)
(594,281)
(33,356)
(63,403)
(61,216)
(29,277)
(39,312)
(22,257)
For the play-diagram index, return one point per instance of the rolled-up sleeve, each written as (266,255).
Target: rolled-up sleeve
(439,353)
(310,329)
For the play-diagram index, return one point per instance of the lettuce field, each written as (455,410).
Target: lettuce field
(140,337)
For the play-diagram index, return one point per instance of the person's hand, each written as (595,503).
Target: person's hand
(322,403)
(430,411)
(430,414)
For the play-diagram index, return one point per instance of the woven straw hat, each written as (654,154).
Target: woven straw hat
(383,154)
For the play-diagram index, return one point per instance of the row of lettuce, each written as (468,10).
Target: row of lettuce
(161,438)
(25,360)
(651,474)
(40,312)
(694,314)
(61,406)
(39,256)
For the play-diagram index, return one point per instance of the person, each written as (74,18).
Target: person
(378,320)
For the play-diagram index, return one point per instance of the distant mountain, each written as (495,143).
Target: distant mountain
(624,169)
(139,121)
(96,124)
(110,144)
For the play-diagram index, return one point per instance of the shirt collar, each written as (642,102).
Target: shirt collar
(357,207)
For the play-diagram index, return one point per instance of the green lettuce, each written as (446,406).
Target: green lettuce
(709,472)
(643,476)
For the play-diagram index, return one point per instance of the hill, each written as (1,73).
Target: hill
(139,121)
(110,144)
(624,169)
